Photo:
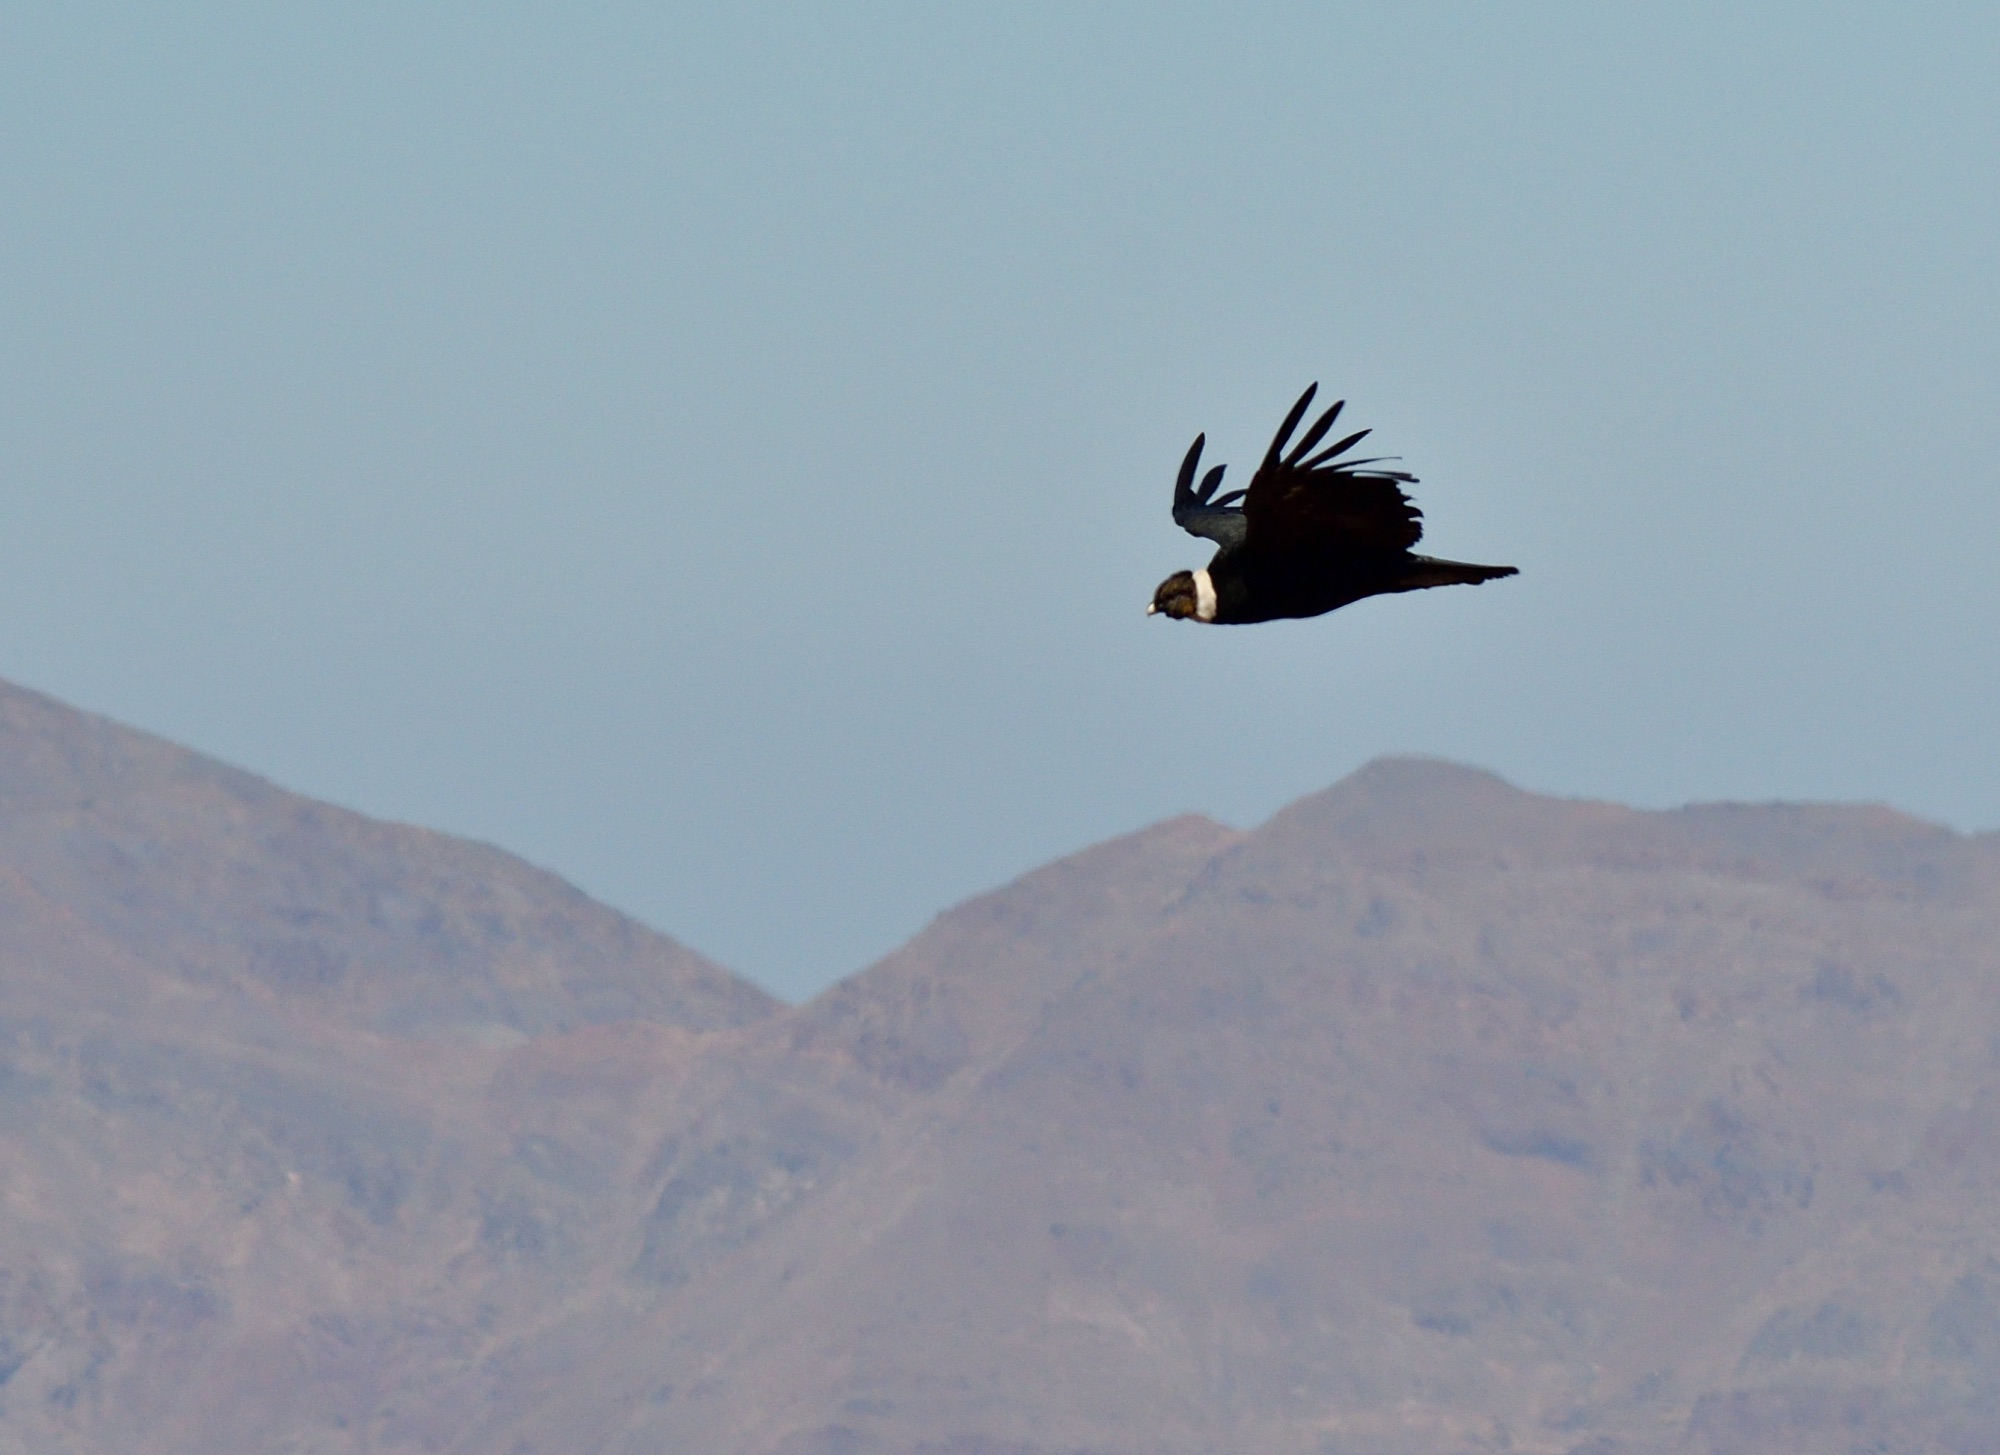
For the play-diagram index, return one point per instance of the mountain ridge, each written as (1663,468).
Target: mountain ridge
(1429,1115)
(94,814)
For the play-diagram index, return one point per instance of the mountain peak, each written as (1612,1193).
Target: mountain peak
(1427,805)
(1433,1114)
(223,880)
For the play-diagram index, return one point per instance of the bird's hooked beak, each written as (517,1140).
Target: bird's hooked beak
(1152,608)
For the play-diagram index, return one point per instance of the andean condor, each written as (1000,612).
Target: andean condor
(1314,532)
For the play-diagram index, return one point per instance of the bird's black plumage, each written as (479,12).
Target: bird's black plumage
(1314,532)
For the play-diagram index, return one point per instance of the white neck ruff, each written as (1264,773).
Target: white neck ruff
(1204,597)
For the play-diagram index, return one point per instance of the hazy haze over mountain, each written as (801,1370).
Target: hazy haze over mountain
(1429,1116)
(723,452)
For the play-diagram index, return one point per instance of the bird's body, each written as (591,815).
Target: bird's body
(1313,534)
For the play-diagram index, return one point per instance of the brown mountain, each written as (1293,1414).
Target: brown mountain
(1432,1116)
(255,1094)
(218,880)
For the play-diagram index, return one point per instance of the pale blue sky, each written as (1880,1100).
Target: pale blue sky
(723,453)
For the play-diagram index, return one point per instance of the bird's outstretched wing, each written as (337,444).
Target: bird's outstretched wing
(1198,512)
(1301,502)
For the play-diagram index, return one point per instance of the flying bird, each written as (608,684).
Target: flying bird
(1314,532)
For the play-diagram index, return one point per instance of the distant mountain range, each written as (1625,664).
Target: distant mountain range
(1431,1117)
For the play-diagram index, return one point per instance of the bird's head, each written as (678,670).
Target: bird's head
(1176,596)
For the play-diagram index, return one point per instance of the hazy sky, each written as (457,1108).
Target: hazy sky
(722,453)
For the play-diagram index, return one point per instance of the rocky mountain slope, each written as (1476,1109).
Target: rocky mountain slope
(217,879)
(1431,1116)
(255,1101)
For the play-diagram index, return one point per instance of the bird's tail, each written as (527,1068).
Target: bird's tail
(1430,571)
